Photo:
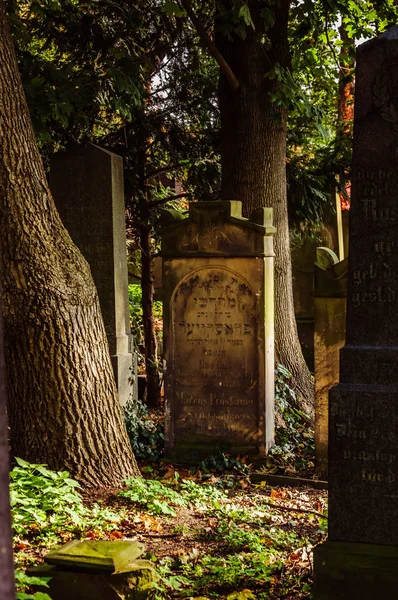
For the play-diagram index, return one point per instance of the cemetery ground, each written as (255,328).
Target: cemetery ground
(210,531)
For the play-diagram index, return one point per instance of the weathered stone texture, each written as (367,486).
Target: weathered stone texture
(218,335)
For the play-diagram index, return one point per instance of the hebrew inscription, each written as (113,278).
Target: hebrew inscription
(215,358)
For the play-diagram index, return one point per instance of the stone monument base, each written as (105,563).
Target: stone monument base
(345,571)
(124,371)
(66,584)
(193,452)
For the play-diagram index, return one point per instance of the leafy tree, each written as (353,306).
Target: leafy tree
(264,48)
(279,65)
(62,402)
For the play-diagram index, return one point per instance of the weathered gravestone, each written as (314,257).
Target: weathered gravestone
(88,190)
(98,570)
(330,299)
(219,330)
(360,558)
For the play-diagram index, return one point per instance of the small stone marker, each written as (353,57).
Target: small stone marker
(218,330)
(359,560)
(98,570)
(87,185)
(330,299)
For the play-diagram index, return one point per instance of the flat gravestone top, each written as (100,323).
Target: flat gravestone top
(101,556)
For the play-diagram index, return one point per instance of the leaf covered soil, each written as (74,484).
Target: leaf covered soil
(207,535)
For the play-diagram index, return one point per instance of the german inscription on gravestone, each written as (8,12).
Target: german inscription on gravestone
(359,558)
(364,421)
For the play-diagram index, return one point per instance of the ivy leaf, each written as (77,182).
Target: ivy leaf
(172,8)
(244,13)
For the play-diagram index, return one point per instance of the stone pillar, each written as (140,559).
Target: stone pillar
(88,190)
(330,299)
(218,330)
(359,560)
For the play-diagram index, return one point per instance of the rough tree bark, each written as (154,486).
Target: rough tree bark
(63,407)
(253,156)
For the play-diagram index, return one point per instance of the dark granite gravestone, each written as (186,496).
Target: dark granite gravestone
(359,560)
(218,330)
(87,185)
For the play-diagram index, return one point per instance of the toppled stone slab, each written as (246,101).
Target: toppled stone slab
(98,570)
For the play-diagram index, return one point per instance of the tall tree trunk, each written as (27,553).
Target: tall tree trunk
(253,151)
(63,406)
(346,84)
(7,587)
(147,287)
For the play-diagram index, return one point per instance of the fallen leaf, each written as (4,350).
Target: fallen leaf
(21,546)
(241,595)
(275,493)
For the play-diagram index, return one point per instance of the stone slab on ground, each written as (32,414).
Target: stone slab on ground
(98,570)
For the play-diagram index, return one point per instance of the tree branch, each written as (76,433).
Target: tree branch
(162,170)
(168,199)
(210,45)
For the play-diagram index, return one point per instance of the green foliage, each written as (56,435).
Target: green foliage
(155,497)
(135,303)
(80,65)
(45,503)
(158,498)
(201,495)
(44,499)
(294,440)
(172,8)
(222,462)
(24,583)
(233,571)
(146,435)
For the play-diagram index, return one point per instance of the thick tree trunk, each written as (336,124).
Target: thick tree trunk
(147,286)
(253,150)
(63,406)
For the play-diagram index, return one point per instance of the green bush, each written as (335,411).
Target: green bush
(24,583)
(47,500)
(294,440)
(146,436)
(135,303)
(45,503)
